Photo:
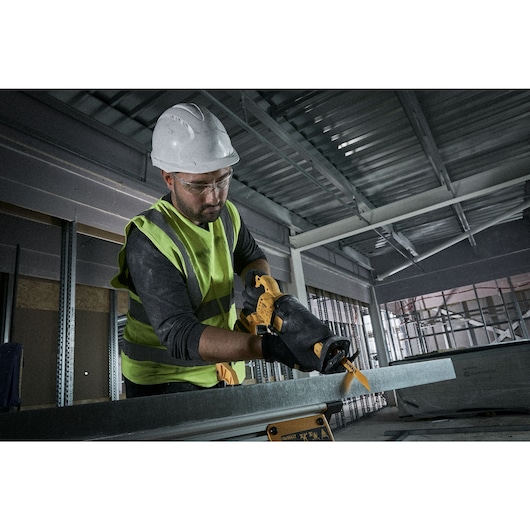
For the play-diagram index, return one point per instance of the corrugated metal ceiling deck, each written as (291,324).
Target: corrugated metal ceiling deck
(329,155)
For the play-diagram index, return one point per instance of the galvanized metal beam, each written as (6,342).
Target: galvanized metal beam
(211,414)
(484,183)
(421,127)
(42,177)
(496,220)
(287,133)
(265,141)
(291,137)
(272,209)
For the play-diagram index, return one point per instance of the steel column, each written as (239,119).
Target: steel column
(449,321)
(390,333)
(65,353)
(511,326)
(114,372)
(378,330)
(520,316)
(298,280)
(483,317)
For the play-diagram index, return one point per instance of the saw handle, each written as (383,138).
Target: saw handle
(261,320)
(265,306)
(269,284)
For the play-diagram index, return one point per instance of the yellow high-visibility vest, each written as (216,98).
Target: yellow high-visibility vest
(205,258)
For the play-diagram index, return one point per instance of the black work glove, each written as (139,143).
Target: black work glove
(274,349)
(251,293)
(301,330)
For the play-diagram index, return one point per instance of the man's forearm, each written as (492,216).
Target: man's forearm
(221,345)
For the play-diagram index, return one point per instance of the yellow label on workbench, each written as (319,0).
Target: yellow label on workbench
(310,429)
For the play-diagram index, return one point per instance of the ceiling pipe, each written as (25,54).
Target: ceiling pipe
(499,219)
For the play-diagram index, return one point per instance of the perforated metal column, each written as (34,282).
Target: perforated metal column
(114,369)
(65,353)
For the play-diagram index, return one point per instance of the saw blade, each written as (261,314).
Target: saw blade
(353,372)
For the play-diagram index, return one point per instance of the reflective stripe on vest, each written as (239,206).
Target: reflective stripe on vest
(194,291)
(203,310)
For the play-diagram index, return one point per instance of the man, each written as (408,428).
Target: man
(178,263)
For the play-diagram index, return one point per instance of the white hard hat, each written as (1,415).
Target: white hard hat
(190,139)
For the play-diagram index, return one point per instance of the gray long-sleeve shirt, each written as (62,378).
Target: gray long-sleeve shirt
(164,294)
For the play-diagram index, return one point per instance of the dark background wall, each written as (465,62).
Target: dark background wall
(36,328)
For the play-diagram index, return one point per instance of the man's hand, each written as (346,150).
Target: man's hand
(301,330)
(274,349)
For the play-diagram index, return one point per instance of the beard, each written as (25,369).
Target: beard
(199,215)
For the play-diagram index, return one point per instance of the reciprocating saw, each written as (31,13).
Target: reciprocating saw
(283,314)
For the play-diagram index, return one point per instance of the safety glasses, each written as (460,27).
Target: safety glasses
(204,189)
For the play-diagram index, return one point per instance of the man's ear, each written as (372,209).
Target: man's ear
(167,179)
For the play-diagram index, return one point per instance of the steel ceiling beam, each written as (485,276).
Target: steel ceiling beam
(294,220)
(265,141)
(421,127)
(103,198)
(478,185)
(499,219)
(291,137)
(288,134)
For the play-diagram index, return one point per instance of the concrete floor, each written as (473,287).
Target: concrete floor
(386,425)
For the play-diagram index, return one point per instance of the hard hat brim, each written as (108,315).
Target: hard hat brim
(194,167)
